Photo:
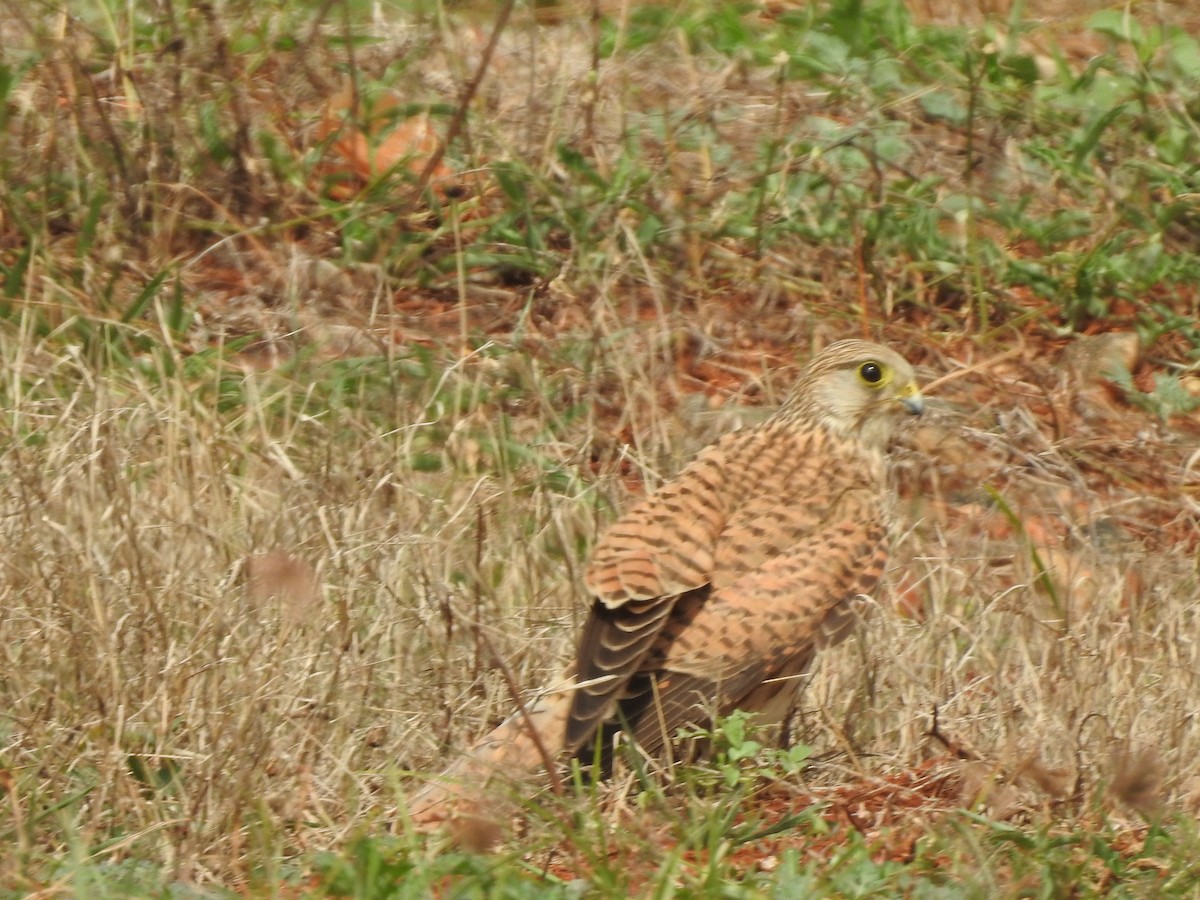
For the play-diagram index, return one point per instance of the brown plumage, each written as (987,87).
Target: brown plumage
(714,593)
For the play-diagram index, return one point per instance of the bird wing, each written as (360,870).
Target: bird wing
(765,625)
(664,545)
(750,501)
(661,549)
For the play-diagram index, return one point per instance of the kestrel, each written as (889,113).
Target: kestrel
(714,593)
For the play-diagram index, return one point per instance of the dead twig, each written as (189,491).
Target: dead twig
(556,786)
(460,111)
(949,743)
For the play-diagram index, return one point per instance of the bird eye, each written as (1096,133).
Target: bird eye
(871,373)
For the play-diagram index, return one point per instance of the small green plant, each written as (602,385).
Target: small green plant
(740,758)
(1169,396)
(382,868)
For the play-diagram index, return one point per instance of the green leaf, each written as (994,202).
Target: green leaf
(944,105)
(1117,24)
(138,307)
(1091,137)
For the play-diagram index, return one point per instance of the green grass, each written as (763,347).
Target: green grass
(220,336)
(706,822)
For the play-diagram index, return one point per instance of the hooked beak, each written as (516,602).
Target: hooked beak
(911,398)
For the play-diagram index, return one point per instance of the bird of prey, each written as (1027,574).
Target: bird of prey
(714,593)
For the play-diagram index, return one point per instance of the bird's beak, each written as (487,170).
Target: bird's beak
(911,398)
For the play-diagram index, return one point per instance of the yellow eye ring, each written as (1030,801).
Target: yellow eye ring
(870,372)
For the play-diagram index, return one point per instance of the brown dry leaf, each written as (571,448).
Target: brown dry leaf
(1054,781)
(476,832)
(368,149)
(280,577)
(1137,780)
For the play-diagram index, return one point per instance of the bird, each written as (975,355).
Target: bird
(715,592)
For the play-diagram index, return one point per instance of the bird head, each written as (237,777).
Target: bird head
(857,389)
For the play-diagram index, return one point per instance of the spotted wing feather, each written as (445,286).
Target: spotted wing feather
(661,549)
(752,639)
(759,495)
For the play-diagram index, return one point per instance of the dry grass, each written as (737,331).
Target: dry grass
(440,438)
(154,696)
